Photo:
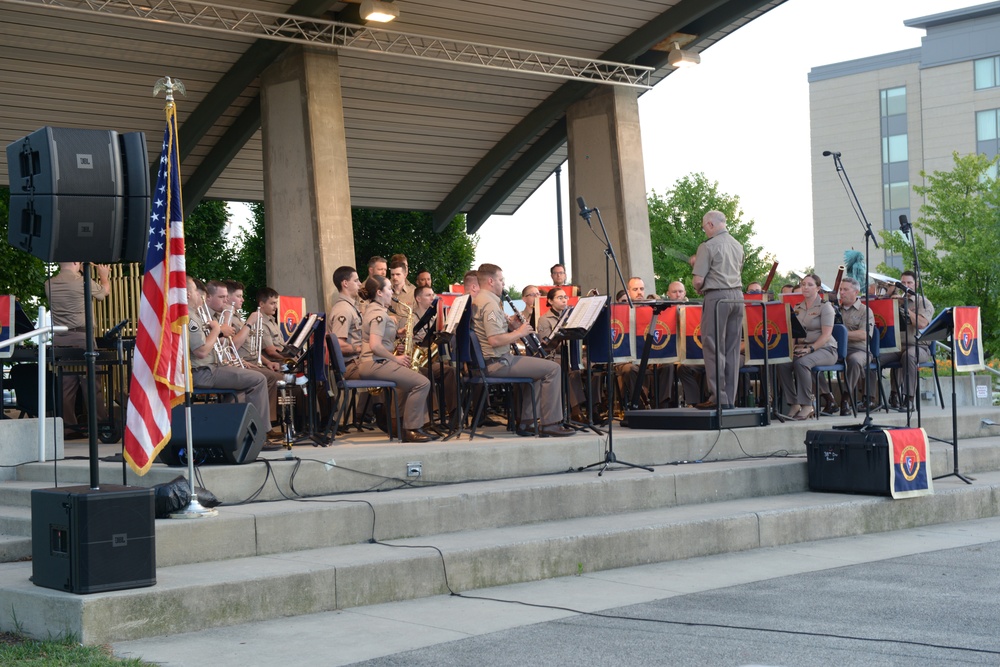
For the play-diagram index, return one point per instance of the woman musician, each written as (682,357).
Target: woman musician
(379,360)
(558,300)
(818,348)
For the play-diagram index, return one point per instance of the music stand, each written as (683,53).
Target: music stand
(296,351)
(940,329)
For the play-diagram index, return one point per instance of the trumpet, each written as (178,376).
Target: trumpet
(257,337)
(226,353)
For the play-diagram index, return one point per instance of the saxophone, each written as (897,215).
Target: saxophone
(408,340)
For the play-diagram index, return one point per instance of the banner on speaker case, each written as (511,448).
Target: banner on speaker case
(691,353)
(6,324)
(909,463)
(886,314)
(778,337)
(291,310)
(663,349)
(968,343)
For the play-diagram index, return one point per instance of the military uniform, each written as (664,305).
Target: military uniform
(207,373)
(413,387)
(915,353)
(489,319)
(250,361)
(796,377)
(719,261)
(65,292)
(854,317)
(345,324)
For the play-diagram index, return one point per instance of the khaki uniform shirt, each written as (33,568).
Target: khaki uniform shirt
(926,310)
(814,319)
(65,292)
(854,317)
(489,319)
(719,261)
(197,335)
(345,322)
(378,321)
(547,323)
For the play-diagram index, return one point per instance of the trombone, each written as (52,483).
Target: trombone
(226,353)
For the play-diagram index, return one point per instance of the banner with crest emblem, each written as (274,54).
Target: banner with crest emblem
(664,346)
(6,323)
(622,335)
(291,310)
(909,463)
(779,337)
(968,344)
(886,313)
(691,353)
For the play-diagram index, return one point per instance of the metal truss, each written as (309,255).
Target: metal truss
(346,36)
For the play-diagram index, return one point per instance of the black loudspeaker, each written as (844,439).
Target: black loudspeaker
(79,195)
(87,540)
(223,433)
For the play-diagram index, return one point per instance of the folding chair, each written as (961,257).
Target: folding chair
(348,389)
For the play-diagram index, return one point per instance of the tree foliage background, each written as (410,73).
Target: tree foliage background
(447,255)
(962,218)
(675,230)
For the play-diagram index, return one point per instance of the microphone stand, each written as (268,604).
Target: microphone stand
(869,238)
(609,258)
(918,298)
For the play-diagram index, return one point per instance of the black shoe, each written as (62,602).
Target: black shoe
(271,446)
(423,431)
(706,405)
(893,400)
(415,435)
(845,407)
(829,404)
(555,431)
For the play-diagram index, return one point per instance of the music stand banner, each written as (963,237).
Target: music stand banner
(778,337)
(622,332)
(6,324)
(909,463)
(664,347)
(691,353)
(793,299)
(968,342)
(291,310)
(886,314)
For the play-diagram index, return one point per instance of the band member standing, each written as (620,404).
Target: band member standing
(345,319)
(489,325)
(717,270)
(66,303)
(401,289)
(558,275)
(380,362)
(855,314)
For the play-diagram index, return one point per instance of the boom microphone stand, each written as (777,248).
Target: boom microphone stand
(869,238)
(609,257)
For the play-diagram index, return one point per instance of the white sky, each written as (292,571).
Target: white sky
(743,124)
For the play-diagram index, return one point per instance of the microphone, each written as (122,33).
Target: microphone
(829,153)
(584,211)
(901,286)
(904,225)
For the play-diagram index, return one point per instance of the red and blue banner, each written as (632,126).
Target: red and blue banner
(291,310)
(622,332)
(778,337)
(691,352)
(886,314)
(6,323)
(909,463)
(664,345)
(968,342)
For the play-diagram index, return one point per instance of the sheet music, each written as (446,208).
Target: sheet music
(586,312)
(306,328)
(458,307)
(561,321)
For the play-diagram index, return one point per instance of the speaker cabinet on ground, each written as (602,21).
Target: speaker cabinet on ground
(87,540)
(223,433)
(79,195)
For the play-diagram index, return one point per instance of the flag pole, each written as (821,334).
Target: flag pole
(194,509)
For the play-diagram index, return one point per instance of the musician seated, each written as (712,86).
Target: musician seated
(913,318)
(489,325)
(207,370)
(443,374)
(558,300)
(818,348)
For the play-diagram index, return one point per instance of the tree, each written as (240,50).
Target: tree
(249,267)
(675,230)
(447,255)
(209,255)
(961,218)
(21,274)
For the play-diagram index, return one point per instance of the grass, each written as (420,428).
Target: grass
(17,649)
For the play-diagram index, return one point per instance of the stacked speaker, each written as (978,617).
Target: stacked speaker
(79,195)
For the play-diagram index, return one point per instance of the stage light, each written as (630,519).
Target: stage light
(380,11)
(681,58)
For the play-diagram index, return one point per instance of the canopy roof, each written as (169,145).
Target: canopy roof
(432,125)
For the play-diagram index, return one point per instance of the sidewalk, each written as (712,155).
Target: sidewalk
(834,587)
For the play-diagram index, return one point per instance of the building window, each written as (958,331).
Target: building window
(894,149)
(893,101)
(987,73)
(988,136)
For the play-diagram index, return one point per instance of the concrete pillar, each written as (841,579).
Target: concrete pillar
(306,190)
(606,169)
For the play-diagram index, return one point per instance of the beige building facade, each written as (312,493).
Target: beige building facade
(893,116)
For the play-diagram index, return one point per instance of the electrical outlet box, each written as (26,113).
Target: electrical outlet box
(414,469)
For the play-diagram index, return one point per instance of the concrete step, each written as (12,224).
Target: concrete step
(237,590)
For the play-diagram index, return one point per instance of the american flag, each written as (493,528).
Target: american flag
(161,361)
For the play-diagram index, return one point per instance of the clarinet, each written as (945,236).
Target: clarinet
(531,342)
